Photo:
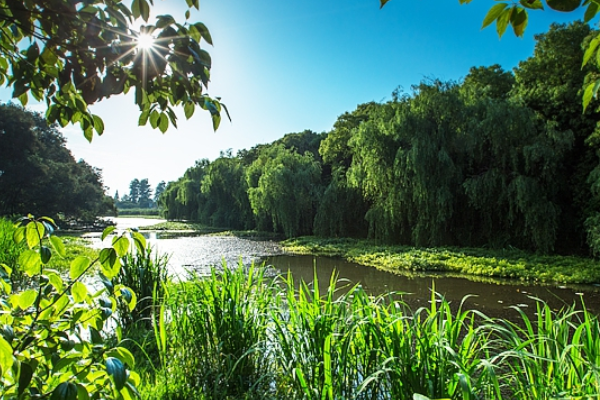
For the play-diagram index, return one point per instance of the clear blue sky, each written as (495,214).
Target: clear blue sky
(286,66)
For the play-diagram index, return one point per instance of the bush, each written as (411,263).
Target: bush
(53,336)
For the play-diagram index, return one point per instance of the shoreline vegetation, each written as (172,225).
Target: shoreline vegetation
(470,263)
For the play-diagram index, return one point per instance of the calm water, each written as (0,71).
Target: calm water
(199,253)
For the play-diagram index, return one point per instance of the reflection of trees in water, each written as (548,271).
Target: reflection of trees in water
(492,298)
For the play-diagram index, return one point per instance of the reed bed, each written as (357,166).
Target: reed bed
(240,335)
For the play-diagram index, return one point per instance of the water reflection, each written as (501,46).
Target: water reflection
(492,299)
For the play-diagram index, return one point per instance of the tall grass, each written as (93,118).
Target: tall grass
(238,334)
(215,333)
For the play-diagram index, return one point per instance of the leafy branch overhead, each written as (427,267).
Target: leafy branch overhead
(516,15)
(74,53)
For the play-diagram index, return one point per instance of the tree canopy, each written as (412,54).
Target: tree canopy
(73,53)
(516,14)
(38,174)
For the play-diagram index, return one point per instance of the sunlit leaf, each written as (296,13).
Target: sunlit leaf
(34,232)
(30,262)
(121,245)
(107,231)
(79,266)
(79,292)
(493,14)
(140,241)
(6,356)
(122,354)
(519,21)
(27,298)
(58,245)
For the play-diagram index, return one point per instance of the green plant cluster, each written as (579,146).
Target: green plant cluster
(469,262)
(237,335)
(54,340)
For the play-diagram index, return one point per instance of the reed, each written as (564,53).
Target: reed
(239,335)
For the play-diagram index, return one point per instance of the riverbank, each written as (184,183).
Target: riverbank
(470,262)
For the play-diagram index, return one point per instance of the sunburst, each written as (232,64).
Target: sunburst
(145,41)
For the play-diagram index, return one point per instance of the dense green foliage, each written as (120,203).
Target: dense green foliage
(52,339)
(500,159)
(74,53)
(238,335)
(38,173)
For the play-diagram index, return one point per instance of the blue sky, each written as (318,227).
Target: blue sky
(286,66)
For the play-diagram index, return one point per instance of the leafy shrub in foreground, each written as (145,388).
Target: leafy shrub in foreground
(53,333)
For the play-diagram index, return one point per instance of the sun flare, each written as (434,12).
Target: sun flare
(145,41)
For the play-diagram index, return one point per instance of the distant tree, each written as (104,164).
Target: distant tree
(134,190)
(144,193)
(116,198)
(160,188)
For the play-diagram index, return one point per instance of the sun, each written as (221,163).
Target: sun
(145,41)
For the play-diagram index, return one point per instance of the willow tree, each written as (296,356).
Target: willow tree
(224,188)
(284,187)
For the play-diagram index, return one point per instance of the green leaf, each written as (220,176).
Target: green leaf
(493,14)
(502,21)
(116,369)
(109,262)
(204,32)
(27,298)
(34,232)
(163,122)
(65,391)
(122,354)
(55,280)
(121,245)
(135,9)
(144,117)
(590,92)
(144,10)
(19,235)
(45,254)
(107,231)
(82,393)
(139,241)
(589,52)
(58,245)
(382,3)
(591,12)
(532,5)
(98,124)
(25,375)
(519,21)
(79,292)
(189,109)
(6,356)
(30,262)
(78,267)
(154,116)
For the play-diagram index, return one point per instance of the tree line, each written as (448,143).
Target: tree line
(140,195)
(498,159)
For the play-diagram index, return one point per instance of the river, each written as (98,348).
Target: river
(190,252)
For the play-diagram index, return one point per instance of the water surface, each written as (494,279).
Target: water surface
(193,252)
